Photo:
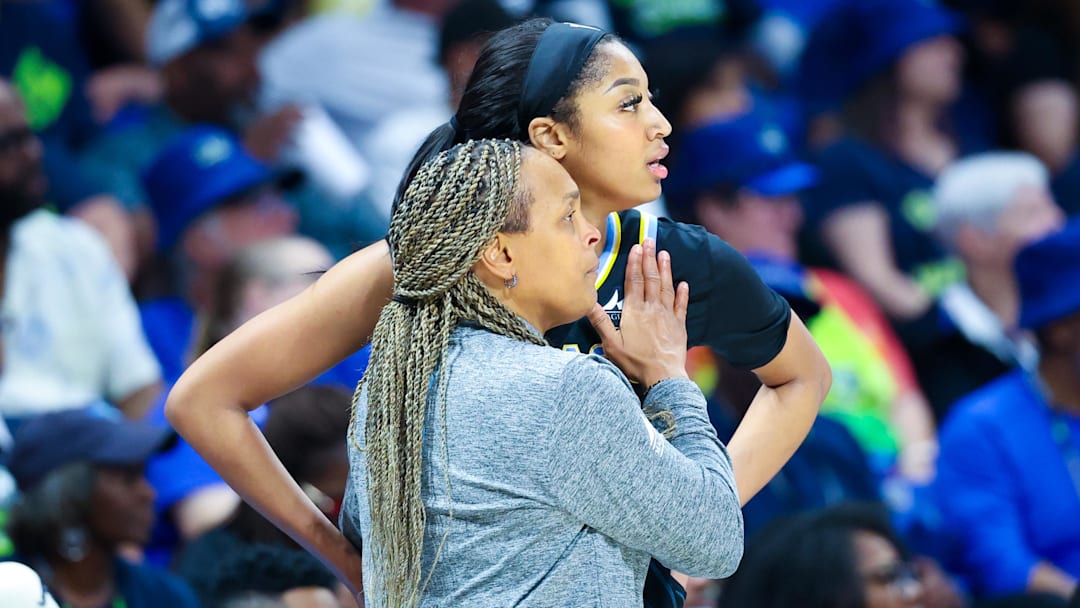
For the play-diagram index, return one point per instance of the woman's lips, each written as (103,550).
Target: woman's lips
(659,171)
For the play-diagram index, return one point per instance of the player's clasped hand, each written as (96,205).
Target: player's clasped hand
(650,344)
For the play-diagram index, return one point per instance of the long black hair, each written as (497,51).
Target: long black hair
(489,104)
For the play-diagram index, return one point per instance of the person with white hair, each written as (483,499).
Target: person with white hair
(988,207)
(21,587)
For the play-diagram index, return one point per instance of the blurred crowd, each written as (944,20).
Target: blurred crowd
(905,173)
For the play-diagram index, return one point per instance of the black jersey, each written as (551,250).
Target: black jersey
(731,309)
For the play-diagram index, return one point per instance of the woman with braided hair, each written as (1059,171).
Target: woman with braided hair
(492,470)
(580,97)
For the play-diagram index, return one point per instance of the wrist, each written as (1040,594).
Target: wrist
(652,379)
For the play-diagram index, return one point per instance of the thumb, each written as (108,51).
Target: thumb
(601,322)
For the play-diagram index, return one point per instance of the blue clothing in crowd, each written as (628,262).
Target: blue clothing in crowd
(1004,489)
(176,474)
(145,586)
(118,157)
(1066,188)
(169,325)
(179,472)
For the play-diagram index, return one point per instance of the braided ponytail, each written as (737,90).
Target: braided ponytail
(451,211)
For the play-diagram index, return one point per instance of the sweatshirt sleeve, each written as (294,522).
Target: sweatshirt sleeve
(610,467)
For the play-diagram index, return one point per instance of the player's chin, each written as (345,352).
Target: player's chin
(652,191)
(588,296)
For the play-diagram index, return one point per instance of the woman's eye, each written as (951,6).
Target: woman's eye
(633,102)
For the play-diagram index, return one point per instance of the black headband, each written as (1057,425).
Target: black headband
(555,63)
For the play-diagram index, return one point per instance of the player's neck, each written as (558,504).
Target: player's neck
(597,216)
(597,206)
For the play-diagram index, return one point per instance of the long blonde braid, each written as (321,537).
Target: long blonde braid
(453,208)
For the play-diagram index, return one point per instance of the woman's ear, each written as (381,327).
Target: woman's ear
(548,136)
(497,262)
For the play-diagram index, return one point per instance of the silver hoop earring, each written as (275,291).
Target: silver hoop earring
(511,282)
(74,544)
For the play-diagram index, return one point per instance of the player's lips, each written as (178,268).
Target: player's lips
(659,171)
(662,154)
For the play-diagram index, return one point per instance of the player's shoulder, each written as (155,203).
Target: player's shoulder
(688,241)
(695,252)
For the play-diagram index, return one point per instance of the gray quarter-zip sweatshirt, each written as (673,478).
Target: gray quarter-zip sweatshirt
(561,488)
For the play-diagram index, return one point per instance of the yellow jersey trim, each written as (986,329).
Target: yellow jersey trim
(648,224)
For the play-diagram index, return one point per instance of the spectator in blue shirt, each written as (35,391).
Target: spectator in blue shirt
(1009,472)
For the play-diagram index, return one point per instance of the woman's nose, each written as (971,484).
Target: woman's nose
(592,234)
(661,126)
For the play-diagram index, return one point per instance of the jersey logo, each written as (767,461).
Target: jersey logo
(614,307)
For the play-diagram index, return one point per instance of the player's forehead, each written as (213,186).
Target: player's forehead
(617,71)
(550,187)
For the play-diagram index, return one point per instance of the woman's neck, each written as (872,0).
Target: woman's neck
(919,140)
(996,287)
(87,583)
(915,116)
(1062,379)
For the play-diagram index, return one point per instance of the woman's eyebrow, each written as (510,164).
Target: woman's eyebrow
(621,81)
